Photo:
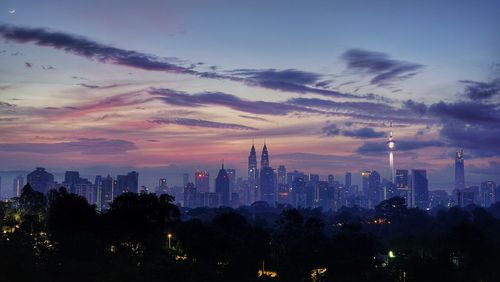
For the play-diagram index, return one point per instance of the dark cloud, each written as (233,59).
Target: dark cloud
(472,125)
(90,49)
(476,90)
(79,78)
(201,123)
(28,64)
(384,69)
(480,139)
(179,98)
(95,146)
(401,145)
(48,67)
(362,133)
(289,80)
(253,117)
(93,86)
(470,112)
(8,107)
(361,110)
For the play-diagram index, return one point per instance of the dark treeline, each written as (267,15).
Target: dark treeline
(142,237)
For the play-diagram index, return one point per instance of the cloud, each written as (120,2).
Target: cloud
(361,110)
(48,67)
(28,65)
(289,80)
(8,107)
(476,90)
(253,118)
(384,69)
(361,133)
(179,98)
(401,145)
(201,123)
(93,86)
(481,140)
(86,146)
(91,50)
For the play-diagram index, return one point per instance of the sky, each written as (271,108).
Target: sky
(166,87)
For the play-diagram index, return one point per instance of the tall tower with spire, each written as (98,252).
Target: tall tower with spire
(252,165)
(264,159)
(391,145)
(459,170)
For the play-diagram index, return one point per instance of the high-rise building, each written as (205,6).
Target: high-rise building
(127,183)
(133,182)
(391,145)
(71,178)
(348,180)
(331,180)
(264,159)
(222,187)
(313,179)
(190,195)
(202,180)
(419,189)
(267,185)
(108,191)
(299,192)
(17,188)
(85,189)
(374,196)
(459,170)
(281,175)
(98,192)
(231,173)
(365,177)
(402,184)
(291,176)
(40,180)
(185,179)
(162,187)
(487,194)
(252,165)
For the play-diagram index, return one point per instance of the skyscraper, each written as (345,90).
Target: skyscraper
(365,176)
(71,178)
(459,170)
(281,175)
(419,189)
(185,179)
(402,184)
(107,194)
(391,145)
(40,180)
(231,173)
(17,188)
(264,160)
(222,187)
(487,194)
(252,165)
(348,180)
(267,187)
(98,191)
(202,180)
(374,189)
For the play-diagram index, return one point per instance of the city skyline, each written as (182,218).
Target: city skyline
(86,89)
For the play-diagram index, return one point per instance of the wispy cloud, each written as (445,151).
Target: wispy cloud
(201,123)
(384,69)
(360,133)
(87,146)
(476,90)
(179,98)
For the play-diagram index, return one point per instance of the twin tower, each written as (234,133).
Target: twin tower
(253,171)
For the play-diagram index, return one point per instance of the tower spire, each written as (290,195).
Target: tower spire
(391,145)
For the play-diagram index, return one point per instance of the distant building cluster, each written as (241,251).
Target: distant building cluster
(265,185)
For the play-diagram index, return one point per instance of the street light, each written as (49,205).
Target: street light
(169,235)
